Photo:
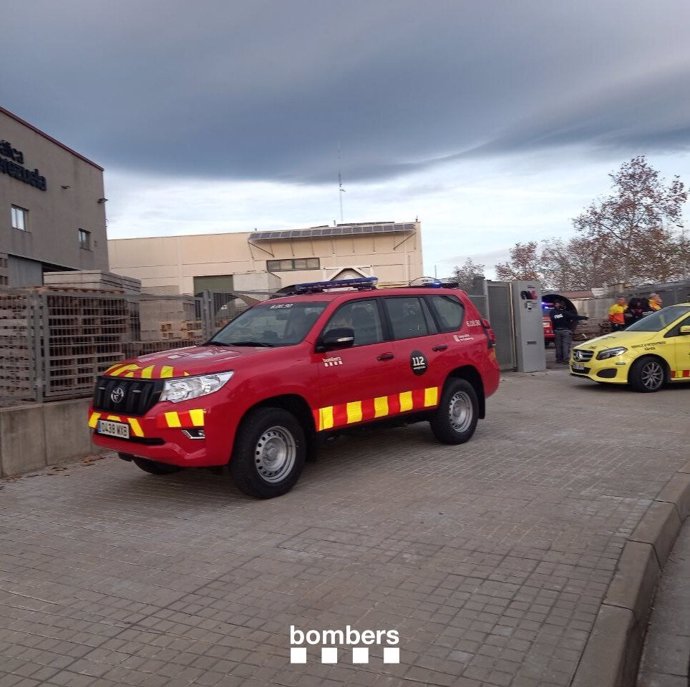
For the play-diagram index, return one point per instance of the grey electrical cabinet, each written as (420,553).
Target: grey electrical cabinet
(528,326)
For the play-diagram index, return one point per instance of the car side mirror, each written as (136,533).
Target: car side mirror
(342,337)
(685,329)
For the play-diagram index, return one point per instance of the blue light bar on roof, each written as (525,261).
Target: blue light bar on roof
(360,283)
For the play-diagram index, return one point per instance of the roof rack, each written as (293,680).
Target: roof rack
(358,283)
(434,283)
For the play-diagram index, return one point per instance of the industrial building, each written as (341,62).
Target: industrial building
(52,206)
(268,260)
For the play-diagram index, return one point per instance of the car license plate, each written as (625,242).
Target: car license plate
(113,429)
(576,367)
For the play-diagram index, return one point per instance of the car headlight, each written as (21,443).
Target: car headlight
(187,388)
(611,353)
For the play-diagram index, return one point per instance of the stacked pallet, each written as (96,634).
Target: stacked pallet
(83,335)
(17,354)
(184,329)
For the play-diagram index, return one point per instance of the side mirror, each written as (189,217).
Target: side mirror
(685,329)
(342,337)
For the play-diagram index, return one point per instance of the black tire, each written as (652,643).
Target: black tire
(456,417)
(269,454)
(647,375)
(155,468)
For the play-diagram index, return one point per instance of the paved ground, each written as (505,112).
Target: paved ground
(490,560)
(667,650)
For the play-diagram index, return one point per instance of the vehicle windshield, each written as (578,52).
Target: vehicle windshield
(270,324)
(660,319)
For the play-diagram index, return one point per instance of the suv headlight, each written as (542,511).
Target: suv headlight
(187,388)
(611,353)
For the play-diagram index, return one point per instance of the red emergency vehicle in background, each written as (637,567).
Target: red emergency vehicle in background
(322,359)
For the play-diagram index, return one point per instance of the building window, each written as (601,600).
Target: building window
(20,218)
(292,265)
(84,239)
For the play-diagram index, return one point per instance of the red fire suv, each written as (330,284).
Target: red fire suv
(258,394)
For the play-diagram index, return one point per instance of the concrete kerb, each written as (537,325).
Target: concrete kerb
(614,648)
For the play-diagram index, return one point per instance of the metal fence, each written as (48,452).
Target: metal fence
(55,343)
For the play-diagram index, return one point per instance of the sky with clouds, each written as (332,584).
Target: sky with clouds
(491,121)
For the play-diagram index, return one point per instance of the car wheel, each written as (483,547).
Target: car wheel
(456,417)
(155,468)
(647,375)
(269,455)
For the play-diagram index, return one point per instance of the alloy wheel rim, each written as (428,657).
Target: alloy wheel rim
(652,375)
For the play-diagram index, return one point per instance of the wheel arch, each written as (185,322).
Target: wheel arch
(471,374)
(294,404)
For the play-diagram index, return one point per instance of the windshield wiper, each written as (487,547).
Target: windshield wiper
(249,343)
(215,343)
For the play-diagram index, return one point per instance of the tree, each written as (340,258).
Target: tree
(524,263)
(635,227)
(466,274)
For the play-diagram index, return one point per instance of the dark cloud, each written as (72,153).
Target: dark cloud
(273,89)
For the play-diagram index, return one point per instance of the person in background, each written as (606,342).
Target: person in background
(637,309)
(655,302)
(563,322)
(617,314)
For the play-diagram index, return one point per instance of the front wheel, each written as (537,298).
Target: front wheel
(456,417)
(647,375)
(269,454)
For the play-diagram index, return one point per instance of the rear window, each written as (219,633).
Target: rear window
(409,317)
(449,312)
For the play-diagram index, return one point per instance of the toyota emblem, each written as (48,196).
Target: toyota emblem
(117,394)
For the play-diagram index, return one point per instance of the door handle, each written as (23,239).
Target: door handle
(385,356)
(440,347)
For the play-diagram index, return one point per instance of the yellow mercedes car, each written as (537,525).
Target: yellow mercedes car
(648,354)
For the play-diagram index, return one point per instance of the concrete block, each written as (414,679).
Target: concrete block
(677,492)
(659,527)
(22,439)
(635,580)
(604,659)
(67,434)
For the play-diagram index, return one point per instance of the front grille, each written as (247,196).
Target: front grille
(581,356)
(140,395)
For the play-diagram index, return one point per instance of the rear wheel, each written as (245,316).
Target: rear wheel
(155,468)
(269,455)
(456,417)
(647,375)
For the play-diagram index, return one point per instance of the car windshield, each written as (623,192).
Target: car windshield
(270,324)
(660,319)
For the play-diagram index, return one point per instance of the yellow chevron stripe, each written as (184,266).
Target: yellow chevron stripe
(197,417)
(326,418)
(354,412)
(147,372)
(93,420)
(381,406)
(406,401)
(166,371)
(136,427)
(173,419)
(431,396)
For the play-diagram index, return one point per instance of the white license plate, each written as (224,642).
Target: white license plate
(113,429)
(576,367)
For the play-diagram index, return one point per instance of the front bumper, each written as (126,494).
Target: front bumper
(187,437)
(612,371)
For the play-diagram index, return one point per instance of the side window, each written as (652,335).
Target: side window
(407,317)
(362,317)
(449,312)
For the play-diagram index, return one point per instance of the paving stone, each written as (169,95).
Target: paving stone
(490,559)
